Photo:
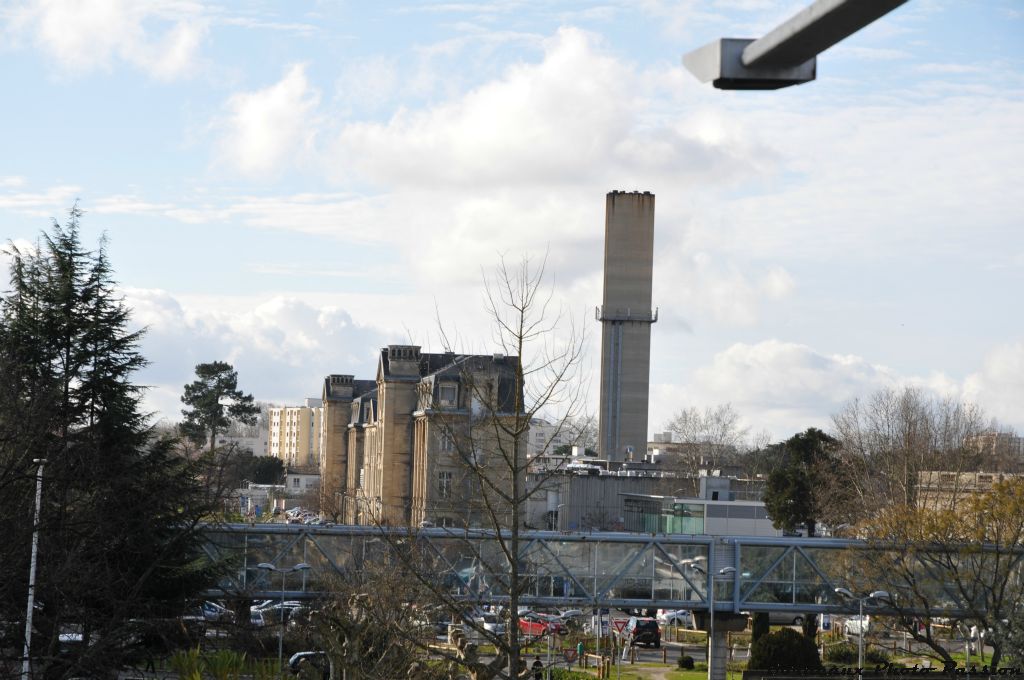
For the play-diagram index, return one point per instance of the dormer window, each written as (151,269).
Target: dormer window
(448,394)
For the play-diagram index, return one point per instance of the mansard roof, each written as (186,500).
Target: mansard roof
(336,386)
(430,363)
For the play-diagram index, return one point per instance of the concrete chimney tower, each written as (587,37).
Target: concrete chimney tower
(626,317)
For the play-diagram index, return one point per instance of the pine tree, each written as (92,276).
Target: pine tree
(118,535)
(214,401)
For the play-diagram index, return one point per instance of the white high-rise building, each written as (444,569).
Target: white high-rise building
(295,434)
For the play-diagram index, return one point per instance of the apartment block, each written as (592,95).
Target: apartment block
(295,434)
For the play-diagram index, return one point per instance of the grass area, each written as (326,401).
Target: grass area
(641,671)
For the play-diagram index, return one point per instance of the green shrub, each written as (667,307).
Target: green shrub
(225,664)
(843,653)
(785,648)
(846,653)
(875,657)
(264,669)
(685,662)
(565,674)
(187,664)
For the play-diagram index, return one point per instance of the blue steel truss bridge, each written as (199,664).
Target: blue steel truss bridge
(567,570)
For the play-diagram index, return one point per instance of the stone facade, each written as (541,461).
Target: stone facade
(411,441)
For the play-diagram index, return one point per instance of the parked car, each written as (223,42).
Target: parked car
(490,623)
(779,618)
(277,612)
(857,625)
(209,612)
(535,624)
(642,630)
(675,617)
(317,660)
(555,622)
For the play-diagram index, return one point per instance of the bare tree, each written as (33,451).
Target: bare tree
(239,428)
(480,462)
(891,437)
(963,562)
(369,625)
(584,432)
(706,439)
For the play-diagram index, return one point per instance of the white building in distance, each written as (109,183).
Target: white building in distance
(295,434)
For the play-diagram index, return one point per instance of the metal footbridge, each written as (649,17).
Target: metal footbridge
(568,570)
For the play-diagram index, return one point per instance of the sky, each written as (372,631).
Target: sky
(289,186)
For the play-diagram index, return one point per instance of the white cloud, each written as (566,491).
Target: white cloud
(776,386)
(270,128)
(787,387)
(48,203)
(878,177)
(368,83)
(718,290)
(574,118)
(281,347)
(950,69)
(160,37)
(859,53)
(999,385)
(23,246)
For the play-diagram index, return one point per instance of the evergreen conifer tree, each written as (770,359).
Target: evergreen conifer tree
(214,401)
(118,533)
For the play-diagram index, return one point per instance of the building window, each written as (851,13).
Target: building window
(448,394)
(444,484)
(445,442)
(295,482)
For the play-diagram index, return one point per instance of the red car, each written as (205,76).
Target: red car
(535,624)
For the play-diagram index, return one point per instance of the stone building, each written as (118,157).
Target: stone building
(941,489)
(417,441)
(337,396)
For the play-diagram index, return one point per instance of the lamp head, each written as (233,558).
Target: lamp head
(845,593)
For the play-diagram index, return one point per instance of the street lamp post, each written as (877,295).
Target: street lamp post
(862,628)
(711,609)
(26,670)
(302,566)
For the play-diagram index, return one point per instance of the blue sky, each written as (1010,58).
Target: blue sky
(290,185)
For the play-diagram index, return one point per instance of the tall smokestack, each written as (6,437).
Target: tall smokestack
(626,317)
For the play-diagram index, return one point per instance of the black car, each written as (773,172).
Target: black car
(642,630)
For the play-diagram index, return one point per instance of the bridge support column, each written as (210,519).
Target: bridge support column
(718,653)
